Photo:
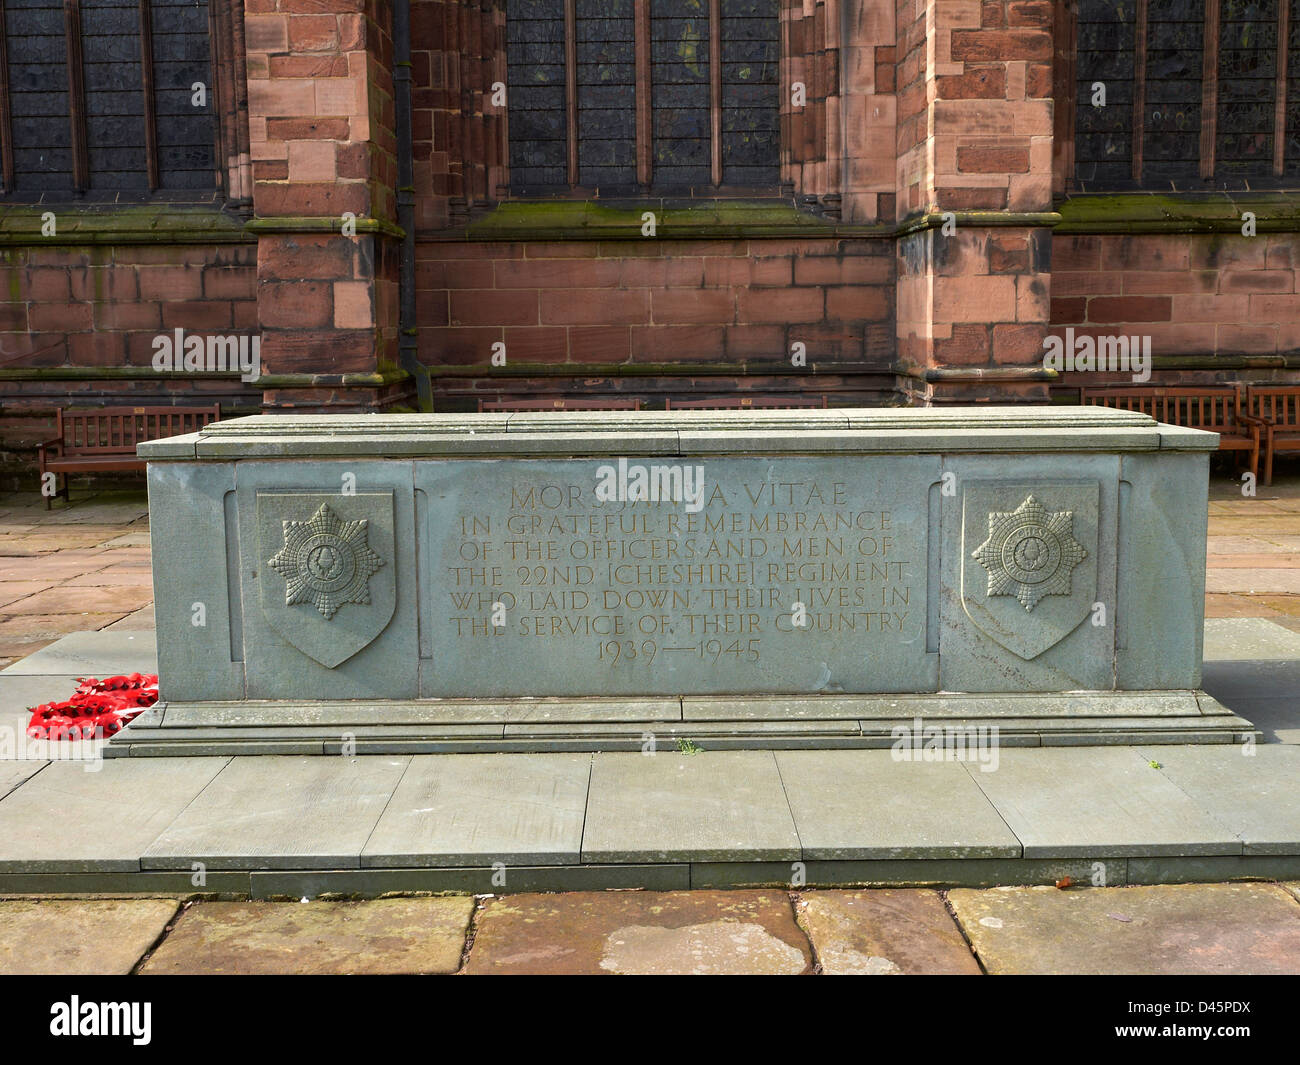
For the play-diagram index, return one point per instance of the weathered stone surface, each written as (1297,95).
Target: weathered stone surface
(280,812)
(1217,929)
(676,555)
(13,774)
(480,809)
(381,937)
(1241,786)
(1080,802)
(641,933)
(97,817)
(867,804)
(92,654)
(882,933)
(81,937)
(715,805)
(1239,639)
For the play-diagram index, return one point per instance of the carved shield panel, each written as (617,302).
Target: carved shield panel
(1029,561)
(326,570)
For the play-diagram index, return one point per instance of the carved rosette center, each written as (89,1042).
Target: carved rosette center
(1030,552)
(326,562)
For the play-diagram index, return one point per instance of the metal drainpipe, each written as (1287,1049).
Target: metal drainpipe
(407,338)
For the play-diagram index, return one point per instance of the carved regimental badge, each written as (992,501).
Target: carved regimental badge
(326,562)
(1030,552)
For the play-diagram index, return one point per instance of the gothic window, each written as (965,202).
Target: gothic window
(633,95)
(106,95)
(1185,94)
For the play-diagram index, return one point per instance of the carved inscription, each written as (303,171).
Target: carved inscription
(758,572)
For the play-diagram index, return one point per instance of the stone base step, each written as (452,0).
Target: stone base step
(930,727)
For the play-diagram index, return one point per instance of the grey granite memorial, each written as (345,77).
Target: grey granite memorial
(589,581)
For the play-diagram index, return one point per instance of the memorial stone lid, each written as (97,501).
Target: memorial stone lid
(868,430)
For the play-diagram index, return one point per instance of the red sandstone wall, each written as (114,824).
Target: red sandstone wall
(731,304)
(1212,294)
(99,308)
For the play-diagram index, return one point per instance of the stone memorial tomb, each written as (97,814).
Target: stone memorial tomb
(590,581)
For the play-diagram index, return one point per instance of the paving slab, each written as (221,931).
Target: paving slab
(79,817)
(16,591)
(884,933)
(865,804)
(1250,789)
(280,812)
(1265,692)
(19,692)
(380,937)
(13,774)
(480,809)
(1233,679)
(92,654)
(640,933)
(82,937)
(1253,580)
(1193,929)
(141,620)
(715,805)
(1099,802)
(67,599)
(1238,639)
(99,511)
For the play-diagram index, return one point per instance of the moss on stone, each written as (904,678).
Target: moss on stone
(1149,212)
(120,223)
(625,220)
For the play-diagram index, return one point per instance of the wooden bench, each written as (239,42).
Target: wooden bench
(749,403)
(1278,407)
(104,440)
(558,403)
(1219,410)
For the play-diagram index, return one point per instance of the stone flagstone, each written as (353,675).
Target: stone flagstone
(79,937)
(1095,802)
(92,654)
(640,933)
(96,816)
(480,809)
(1251,790)
(12,774)
(884,933)
(711,806)
(380,937)
(273,812)
(864,804)
(1195,929)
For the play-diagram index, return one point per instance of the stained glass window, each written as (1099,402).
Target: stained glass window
(1191,93)
(100,96)
(627,95)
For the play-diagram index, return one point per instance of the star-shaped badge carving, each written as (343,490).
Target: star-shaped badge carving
(326,562)
(1030,552)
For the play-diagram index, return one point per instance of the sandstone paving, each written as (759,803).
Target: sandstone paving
(14,591)
(378,937)
(1195,929)
(79,937)
(1253,580)
(640,933)
(122,599)
(884,933)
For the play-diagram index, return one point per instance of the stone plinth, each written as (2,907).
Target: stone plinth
(736,579)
